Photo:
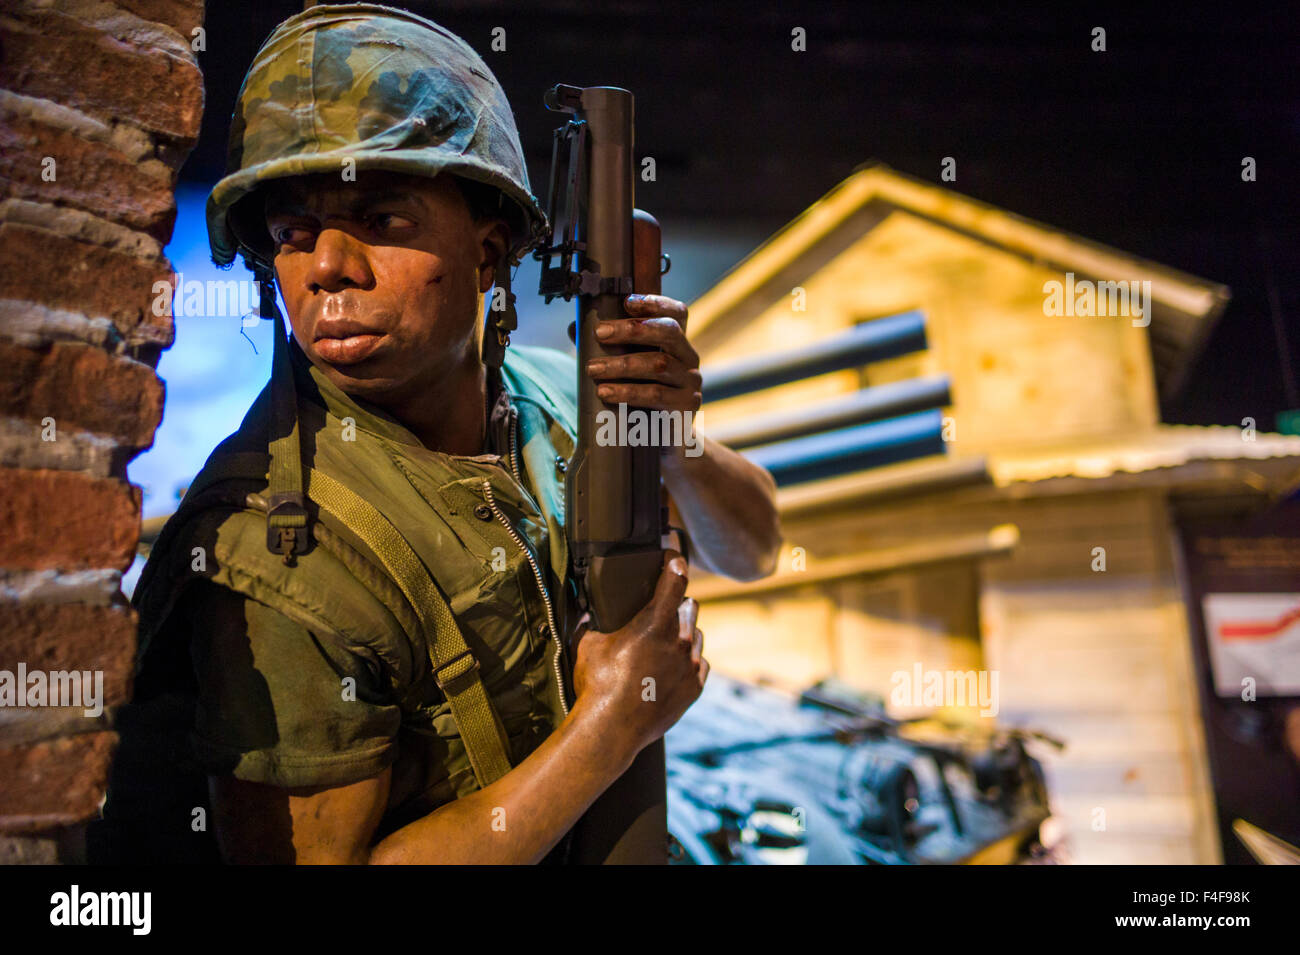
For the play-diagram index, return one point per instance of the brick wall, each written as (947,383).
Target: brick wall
(99,105)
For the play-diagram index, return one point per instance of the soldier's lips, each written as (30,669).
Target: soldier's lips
(348,349)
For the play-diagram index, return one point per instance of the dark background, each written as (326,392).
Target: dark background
(1139,147)
(1255,776)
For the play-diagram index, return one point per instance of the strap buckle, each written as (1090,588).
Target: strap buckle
(286,537)
(472,669)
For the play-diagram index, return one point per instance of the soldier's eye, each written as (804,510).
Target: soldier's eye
(292,235)
(390,222)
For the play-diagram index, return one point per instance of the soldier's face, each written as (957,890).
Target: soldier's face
(382,278)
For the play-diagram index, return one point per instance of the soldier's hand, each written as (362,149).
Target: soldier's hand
(645,675)
(665,379)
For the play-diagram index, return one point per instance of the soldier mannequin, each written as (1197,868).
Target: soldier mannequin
(383,276)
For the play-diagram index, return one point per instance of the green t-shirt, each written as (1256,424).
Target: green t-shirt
(277,704)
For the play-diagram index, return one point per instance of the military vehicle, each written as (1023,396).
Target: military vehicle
(757,776)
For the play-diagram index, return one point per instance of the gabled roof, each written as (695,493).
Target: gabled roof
(1185,308)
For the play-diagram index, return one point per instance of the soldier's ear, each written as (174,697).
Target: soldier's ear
(493,241)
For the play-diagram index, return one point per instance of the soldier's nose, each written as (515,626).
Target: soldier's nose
(338,263)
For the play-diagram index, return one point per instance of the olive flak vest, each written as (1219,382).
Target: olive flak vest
(488,572)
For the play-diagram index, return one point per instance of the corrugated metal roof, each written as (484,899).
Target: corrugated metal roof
(1163,447)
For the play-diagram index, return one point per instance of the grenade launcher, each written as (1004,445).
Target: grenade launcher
(614,506)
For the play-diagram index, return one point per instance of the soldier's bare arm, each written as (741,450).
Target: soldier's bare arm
(520,817)
(256,823)
(727,505)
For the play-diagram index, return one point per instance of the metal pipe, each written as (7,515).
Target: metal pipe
(867,404)
(875,340)
(851,449)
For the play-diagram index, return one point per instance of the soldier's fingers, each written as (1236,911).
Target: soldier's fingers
(688,611)
(704,671)
(654,396)
(645,366)
(656,305)
(668,593)
(582,626)
(662,333)
(697,646)
(580,630)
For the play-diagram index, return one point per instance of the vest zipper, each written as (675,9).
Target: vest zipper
(541,586)
(514,455)
(514,460)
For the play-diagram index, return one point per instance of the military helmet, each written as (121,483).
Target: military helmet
(341,89)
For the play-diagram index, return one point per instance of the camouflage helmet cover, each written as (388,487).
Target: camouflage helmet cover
(382,88)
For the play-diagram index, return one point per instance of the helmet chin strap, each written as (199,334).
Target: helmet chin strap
(500,322)
(286,519)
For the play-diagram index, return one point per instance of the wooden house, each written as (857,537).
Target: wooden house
(1043,545)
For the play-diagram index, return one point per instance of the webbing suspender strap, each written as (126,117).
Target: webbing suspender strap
(286,518)
(455,668)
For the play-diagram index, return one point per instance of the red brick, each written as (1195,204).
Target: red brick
(41,266)
(29,850)
(81,387)
(87,175)
(54,783)
(58,58)
(61,520)
(182,15)
(71,637)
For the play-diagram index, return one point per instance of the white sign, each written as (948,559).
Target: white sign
(1254,636)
